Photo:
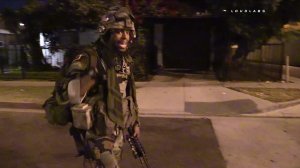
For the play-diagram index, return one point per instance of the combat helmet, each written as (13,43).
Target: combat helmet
(117,18)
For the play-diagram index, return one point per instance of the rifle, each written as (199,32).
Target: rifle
(137,148)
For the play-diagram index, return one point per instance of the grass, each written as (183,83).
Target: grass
(272,94)
(44,75)
(39,94)
(48,76)
(28,94)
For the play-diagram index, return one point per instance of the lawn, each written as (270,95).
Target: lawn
(26,94)
(44,75)
(272,94)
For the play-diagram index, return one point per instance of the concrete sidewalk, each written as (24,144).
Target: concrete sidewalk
(189,95)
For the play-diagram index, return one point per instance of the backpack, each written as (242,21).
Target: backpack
(57,107)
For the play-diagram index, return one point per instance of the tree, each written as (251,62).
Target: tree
(249,30)
(159,8)
(50,17)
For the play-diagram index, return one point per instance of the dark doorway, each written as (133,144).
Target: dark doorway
(187,44)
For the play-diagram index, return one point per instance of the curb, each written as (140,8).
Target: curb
(19,110)
(266,113)
(278,106)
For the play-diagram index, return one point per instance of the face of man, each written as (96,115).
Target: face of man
(120,39)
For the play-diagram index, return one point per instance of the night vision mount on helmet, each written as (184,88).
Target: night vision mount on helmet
(117,18)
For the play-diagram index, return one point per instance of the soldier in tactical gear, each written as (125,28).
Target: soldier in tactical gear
(102,91)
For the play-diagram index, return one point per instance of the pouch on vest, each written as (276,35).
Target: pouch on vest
(57,107)
(82,116)
(57,114)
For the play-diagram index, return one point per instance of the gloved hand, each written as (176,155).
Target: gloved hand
(136,130)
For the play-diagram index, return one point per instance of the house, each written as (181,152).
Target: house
(66,38)
(9,48)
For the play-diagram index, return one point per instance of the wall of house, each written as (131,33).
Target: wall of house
(67,39)
(9,49)
(7,38)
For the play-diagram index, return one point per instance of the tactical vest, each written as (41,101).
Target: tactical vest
(106,89)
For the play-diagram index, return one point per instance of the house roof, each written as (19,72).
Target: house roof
(4,31)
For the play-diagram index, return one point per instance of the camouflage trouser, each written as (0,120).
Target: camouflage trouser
(111,159)
(110,139)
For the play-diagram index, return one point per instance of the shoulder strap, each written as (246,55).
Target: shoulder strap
(94,58)
(103,64)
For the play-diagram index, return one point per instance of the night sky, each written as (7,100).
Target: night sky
(13,4)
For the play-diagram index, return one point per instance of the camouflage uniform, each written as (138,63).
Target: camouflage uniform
(111,94)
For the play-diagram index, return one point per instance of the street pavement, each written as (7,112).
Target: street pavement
(28,141)
(259,142)
(187,122)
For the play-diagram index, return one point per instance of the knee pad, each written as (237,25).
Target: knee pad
(108,160)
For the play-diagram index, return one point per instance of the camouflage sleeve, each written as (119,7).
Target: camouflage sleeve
(79,65)
(136,108)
